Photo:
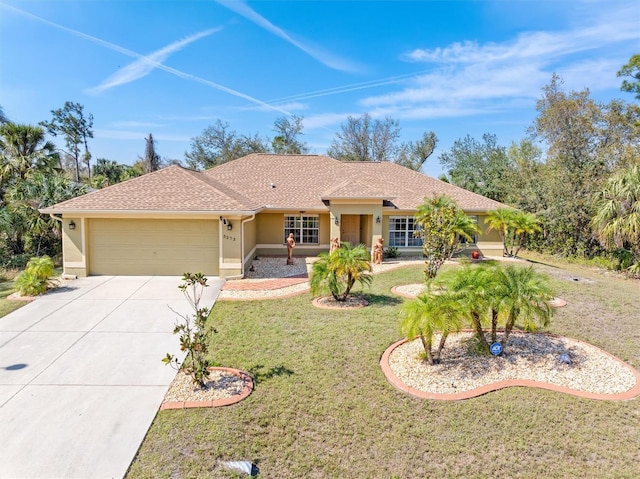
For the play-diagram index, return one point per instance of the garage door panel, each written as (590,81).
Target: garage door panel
(152,247)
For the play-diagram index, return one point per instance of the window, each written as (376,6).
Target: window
(401,231)
(305,228)
(474,238)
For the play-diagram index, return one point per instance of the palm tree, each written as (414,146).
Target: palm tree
(442,226)
(338,271)
(500,220)
(431,312)
(474,288)
(523,295)
(513,226)
(23,150)
(617,219)
(523,224)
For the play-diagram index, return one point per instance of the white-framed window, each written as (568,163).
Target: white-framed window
(474,238)
(305,228)
(401,231)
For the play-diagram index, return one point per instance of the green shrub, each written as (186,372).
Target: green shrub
(391,252)
(18,261)
(35,278)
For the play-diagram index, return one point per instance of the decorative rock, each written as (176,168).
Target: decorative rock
(245,467)
(565,358)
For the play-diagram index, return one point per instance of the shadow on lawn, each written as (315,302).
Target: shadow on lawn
(260,374)
(381,299)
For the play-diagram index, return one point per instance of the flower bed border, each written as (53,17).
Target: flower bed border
(398,384)
(228,401)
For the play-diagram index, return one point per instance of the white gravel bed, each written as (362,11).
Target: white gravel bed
(270,267)
(527,356)
(221,384)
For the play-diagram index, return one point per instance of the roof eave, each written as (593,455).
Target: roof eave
(88,212)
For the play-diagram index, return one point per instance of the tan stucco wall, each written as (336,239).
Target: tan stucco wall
(368,210)
(249,237)
(73,247)
(269,237)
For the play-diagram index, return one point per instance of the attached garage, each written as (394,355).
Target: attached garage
(152,246)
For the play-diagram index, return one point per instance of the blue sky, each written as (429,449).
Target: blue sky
(172,68)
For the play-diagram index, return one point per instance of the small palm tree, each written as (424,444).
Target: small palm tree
(428,313)
(474,288)
(338,271)
(500,220)
(442,226)
(513,226)
(523,295)
(617,219)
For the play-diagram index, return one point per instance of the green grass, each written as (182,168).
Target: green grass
(323,409)
(6,288)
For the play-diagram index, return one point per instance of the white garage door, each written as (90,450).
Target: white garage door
(153,247)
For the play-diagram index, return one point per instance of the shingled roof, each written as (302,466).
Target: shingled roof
(267,181)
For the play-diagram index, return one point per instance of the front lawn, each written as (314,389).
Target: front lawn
(6,288)
(323,409)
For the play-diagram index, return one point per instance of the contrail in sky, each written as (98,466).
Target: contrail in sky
(143,66)
(138,56)
(241,8)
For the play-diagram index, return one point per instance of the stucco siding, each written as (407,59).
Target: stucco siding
(152,247)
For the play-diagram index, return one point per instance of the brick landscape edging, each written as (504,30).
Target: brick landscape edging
(246,390)
(397,382)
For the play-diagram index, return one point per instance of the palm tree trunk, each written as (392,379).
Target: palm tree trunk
(494,325)
(475,317)
(507,330)
(443,340)
(426,344)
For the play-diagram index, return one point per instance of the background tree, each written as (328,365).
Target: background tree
(287,132)
(151,158)
(71,122)
(338,271)
(24,150)
(632,70)
(585,141)
(366,139)
(218,144)
(111,170)
(477,166)
(616,222)
(3,116)
(442,226)
(414,154)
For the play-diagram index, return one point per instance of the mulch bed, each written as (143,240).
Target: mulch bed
(329,302)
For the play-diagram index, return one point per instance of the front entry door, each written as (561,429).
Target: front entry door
(350,229)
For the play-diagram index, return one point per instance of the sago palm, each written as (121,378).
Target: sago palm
(524,296)
(337,272)
(429,313)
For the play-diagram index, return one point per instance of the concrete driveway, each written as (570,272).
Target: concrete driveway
(81,376)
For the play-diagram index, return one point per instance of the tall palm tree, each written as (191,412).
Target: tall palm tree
(338,271)
(617,220)
(23,150)
(429,313)
(523,295)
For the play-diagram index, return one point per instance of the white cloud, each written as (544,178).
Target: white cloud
(326,58)
(146,64)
